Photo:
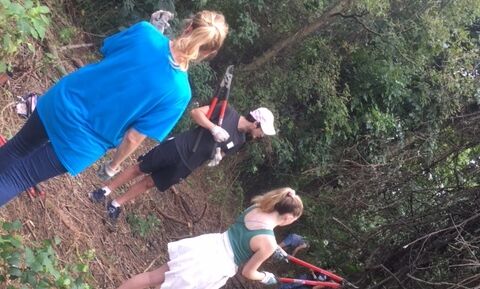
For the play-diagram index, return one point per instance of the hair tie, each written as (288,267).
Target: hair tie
(291,193)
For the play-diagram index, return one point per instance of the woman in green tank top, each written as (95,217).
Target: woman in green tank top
(207,261)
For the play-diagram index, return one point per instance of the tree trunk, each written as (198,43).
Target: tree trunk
(323,21)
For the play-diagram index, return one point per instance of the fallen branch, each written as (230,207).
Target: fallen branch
(153,262)
(201,215)
(75,46)
(437,283)
(54,51)
(348,229)
(442,230)
(173,219)
(393,275)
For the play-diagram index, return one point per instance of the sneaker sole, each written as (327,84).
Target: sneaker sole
(93,200)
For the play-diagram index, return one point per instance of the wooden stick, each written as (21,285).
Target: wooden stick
(75,46)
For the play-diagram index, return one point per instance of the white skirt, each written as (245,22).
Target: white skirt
(203,262)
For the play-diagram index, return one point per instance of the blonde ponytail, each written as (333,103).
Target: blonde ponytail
(283,200)
(208,31)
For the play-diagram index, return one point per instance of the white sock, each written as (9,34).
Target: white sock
(115,204)
(107,190)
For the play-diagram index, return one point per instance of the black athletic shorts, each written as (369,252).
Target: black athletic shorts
(165,165)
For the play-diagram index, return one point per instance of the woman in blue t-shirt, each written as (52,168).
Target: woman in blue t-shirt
(207,261)
(139,89)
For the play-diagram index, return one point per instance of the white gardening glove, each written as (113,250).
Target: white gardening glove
(216,158)
(269,278)
(280,255)
(160,19)
(219,134)
(105,172)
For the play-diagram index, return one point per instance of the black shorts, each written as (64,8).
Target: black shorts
(164,165)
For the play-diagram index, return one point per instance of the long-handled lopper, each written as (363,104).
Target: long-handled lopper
(34,191)
(222,93)
(335,280)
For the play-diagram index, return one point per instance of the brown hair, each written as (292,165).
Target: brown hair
(283,200)
(208,31)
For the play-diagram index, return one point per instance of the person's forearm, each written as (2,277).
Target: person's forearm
(124,150)
(200,118)
(254,275)
(130,143)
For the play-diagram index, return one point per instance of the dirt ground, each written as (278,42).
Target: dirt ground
(67,213)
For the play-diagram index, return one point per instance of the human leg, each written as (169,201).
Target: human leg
(165,168)
(38,166)
(114,207)
(154,160)
(123,177)
(146,279)
(30,137)
(162,179)
(136,189)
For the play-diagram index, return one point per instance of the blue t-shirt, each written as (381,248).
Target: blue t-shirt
(135,86)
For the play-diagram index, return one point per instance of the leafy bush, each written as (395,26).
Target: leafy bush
(25,267)
(18,22)
(142,226)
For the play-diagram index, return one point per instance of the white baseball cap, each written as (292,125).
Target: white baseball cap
(265,117)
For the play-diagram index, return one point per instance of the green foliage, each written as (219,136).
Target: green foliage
(256,24)
(18,22)
(25,267)
(143,226)
(66,35)
(222,188)
(311,112)
(111,16)
(203,79)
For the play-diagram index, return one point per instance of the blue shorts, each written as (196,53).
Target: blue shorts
(293,240)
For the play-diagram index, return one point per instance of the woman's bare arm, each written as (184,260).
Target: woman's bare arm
(263,246)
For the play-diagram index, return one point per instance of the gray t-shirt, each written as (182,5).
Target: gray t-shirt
(186,141)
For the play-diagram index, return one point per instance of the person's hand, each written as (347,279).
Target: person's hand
(105,172)
(216,158)
(160,19)
(280,255)
(219,134)
(269,278)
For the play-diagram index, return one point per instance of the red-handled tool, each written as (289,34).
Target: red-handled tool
(310,282)
(2,140)
(222,93)
(334,282)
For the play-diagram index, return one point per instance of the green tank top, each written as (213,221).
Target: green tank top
(240,237)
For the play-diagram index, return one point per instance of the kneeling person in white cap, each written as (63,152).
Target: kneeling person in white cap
(175,159)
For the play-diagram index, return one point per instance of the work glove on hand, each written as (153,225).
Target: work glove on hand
(216,158)
(269,278)
(280,255)
(160,19)
(105,172)
(219,134)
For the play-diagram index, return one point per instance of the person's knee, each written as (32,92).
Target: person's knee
(148,182)
(136,169)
